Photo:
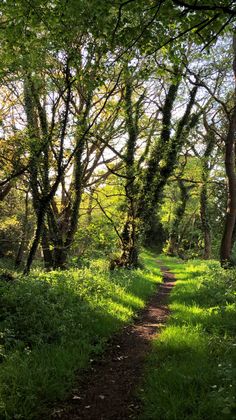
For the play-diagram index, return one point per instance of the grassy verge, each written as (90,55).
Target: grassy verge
(53,323)
(191,371)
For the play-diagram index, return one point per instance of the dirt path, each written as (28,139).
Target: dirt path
(107,390)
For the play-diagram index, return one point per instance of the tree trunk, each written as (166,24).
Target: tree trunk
(206,227)
(59,257)
(34,136)
(226,243)
(40,224)
(227,239)
(129,256)
(58,224)
(47,254)
(20,252)
(174,240)
(5,190)
(90,207)
(39,164)
(129,235)
(21,248)
(205,222)
(166,150)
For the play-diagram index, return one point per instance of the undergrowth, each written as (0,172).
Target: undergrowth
(191,371)
(53,323)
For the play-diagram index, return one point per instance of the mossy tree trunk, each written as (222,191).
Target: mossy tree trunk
(40,139)
(39,202)
(129,234)
(164,155)
(47,253)
(23,241)
(174,239)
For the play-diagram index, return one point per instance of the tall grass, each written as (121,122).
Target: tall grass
(52,324)
(191,371)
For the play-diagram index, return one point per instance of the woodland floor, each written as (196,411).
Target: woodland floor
(107,390)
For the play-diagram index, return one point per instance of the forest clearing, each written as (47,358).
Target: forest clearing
(118,209)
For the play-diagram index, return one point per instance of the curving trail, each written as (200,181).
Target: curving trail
(107,389)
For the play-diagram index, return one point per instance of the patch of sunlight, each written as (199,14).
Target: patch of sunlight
(190,267)
(231,308)
(153,277)
(188,314)
(184,283)
(131,300)
(184,290)
(183,339)
(117,310)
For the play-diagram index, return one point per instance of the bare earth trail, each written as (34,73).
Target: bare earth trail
(107,389)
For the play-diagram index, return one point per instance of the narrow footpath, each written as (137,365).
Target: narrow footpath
(107,390)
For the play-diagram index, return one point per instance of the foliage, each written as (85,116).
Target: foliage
(96,236)
(190,230)
(11,223)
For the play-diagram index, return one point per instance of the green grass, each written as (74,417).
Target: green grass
(52,324)
(191,371)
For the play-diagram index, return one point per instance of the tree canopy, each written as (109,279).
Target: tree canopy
(132,92)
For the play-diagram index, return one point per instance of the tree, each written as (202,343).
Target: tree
(230,155)
(164,154)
